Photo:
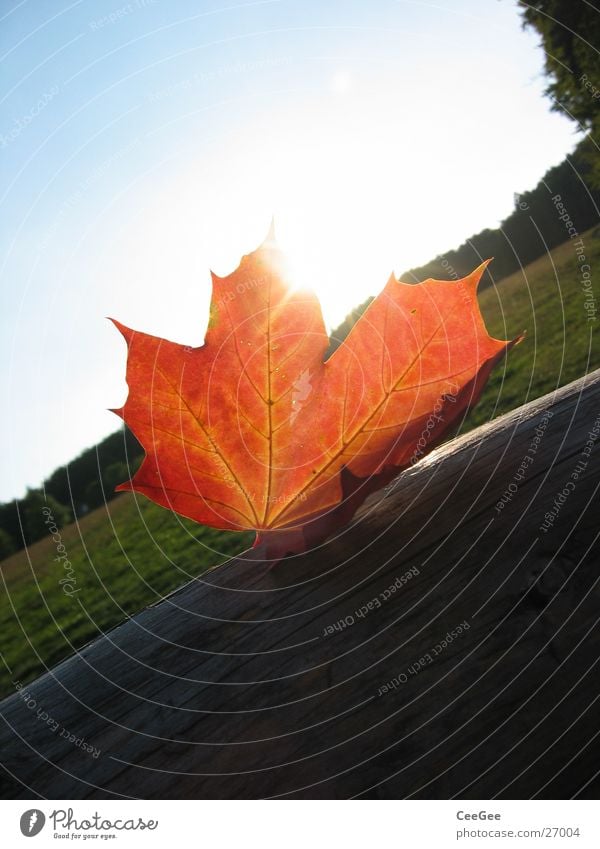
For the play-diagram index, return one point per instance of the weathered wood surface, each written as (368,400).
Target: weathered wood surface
(232,688)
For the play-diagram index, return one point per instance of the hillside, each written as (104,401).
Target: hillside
(129,553)
(546,299)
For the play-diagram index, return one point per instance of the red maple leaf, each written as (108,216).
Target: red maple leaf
(254,430)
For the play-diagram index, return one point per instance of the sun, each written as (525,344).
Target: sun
(342,194)
(333,186)
(336,221)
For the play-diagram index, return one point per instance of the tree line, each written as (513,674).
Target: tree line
(533,227)
(71,491)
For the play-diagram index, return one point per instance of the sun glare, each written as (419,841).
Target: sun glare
(332,189)
(347,177)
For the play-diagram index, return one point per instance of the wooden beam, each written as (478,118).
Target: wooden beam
(445,644)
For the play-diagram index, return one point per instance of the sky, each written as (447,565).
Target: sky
(143,143)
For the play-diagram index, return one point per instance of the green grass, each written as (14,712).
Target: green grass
(131,553)
(123,557)
(546,300)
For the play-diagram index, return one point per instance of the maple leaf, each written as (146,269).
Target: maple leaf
(255,430)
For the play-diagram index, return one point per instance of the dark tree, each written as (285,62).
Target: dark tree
(570,33)
(81,482)
(39,513)
(7,544)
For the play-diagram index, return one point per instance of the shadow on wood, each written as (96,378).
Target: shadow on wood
(445,644)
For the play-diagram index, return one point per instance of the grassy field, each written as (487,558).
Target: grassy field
(123,557)
(545,299)
(130,553)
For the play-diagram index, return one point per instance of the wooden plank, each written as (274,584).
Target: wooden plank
(331,674)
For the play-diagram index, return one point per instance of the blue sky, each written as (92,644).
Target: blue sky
(143,143)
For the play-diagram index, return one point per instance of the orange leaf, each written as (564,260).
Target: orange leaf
(254,430)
